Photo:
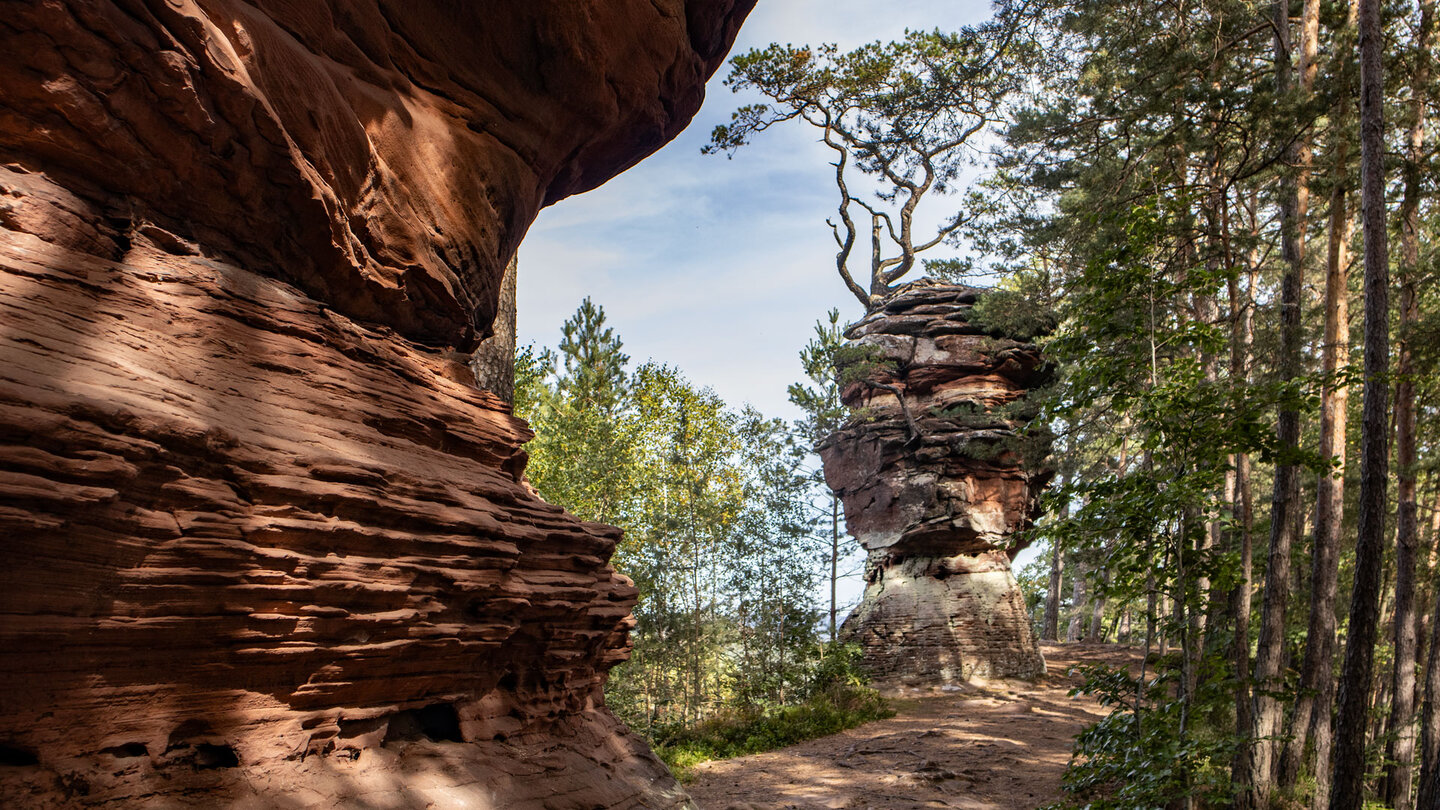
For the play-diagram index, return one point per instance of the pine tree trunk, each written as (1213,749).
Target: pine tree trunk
(1242,518)
(1097,607)
(1429,787)
(1316,671)
(1077,602)
(1400,753)
(1051,630)
(1319,666)
(494,360)
(1242,767)
(1429,798)
(1285,513)
(834,562)
(1348,792)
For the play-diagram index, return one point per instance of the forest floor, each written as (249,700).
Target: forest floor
(997,745)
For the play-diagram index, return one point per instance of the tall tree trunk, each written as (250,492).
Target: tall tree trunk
(834,562)
(1242,766)
(1285,514)
(1051,630)
(1317,686)
(1077,602)
(1400,754)
(1426,592)
(1429,787)
(494,360)
(1097,606)
(1317,677)
(1152,614)
(1242,515)
(1348,792)
(1429,798)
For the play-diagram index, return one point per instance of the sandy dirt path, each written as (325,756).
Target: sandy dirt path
(996,746)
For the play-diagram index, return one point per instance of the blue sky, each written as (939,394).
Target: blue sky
(718,267)
(721,267)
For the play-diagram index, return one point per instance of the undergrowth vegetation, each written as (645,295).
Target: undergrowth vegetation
(1154,749)
(837,699)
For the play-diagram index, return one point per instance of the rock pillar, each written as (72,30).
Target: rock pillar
(937,483)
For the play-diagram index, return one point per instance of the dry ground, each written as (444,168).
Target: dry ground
(1001,745)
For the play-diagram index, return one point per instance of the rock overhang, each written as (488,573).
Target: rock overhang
(385,156)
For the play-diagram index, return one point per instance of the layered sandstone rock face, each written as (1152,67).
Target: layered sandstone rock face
(936,498)
(264,543)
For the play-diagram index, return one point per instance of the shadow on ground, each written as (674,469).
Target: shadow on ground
(1001,745)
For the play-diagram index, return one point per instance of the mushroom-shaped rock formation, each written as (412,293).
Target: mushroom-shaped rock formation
(265,544)
(937,482)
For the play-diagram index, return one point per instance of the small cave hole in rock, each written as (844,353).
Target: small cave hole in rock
(127,751)
(180,737)
(209,755)
(17,756)
(509,681)
(350,729)
(438,722)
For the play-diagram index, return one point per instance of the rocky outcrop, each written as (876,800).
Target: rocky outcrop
(937,481)
(265,544)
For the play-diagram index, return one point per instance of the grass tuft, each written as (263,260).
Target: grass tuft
(737,733)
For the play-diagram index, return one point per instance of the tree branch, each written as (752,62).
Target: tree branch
(842,258)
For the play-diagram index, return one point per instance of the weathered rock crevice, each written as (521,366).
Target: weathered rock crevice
(265,543)
(938,497)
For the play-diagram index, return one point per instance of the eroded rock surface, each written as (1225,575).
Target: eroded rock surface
(265,545)
(937,499)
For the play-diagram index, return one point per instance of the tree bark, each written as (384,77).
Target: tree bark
(1429,798)
(1051,630)
(494,360)
(1097,607)
(1285,516)
(1400,753)
(1077,600)
(834,563)
(1348,792)
(1317,686)
(1242,767)
(1242,514)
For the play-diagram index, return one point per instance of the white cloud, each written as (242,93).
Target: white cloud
(719,267)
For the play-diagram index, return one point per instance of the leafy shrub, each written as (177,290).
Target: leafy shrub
(837,699)
(837,668)
(1150,758)
(1022,314)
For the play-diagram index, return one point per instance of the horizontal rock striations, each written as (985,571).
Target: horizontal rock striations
(265,544)
(936,482)
(384,156)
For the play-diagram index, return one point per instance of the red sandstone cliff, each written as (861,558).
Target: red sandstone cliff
(263,543)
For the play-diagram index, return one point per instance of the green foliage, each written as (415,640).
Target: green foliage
(582,452)
(903,99)
(820,400)
(533,370)
(1146,753)
(594,375)
(834,699)
(858,362)
(1021,309)
(714,502)
(1135,203)
(901,113)
(836,670)
(1034,582)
